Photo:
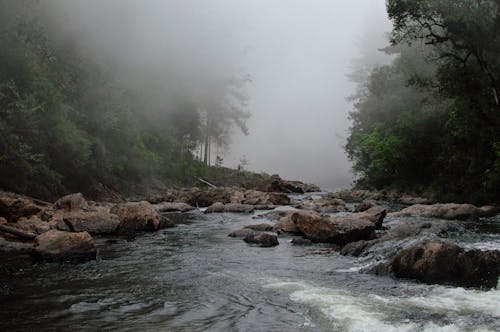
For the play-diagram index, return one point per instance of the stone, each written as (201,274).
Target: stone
(242,233)
(98,220)
(445,263)
(262,239)
(71,202)
(173,207)
(448,211)
(136,217)
(56,245)
(217,207)
(338,230)
(32,224)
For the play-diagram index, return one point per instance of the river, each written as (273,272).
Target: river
(195,278)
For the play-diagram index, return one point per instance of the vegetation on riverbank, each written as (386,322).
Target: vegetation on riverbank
(430,121)
(71,121)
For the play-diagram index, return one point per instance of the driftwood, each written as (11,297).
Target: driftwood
(207,183)
(17,232)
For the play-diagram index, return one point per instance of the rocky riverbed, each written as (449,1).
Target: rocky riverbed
(311,252)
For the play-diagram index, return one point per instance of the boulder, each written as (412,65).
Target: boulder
(445,263)
(98,220)
(173,207)
(32,224)
(338,230)
(261,227)
(375,214)
(71,202)
(325,205)
(242,233)
(14,208)
(286,225)
(166,222)
(217,207)
(262,239)
(449,211)
(56,245)
(136,217)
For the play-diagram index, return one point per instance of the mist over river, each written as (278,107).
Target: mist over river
(193,277)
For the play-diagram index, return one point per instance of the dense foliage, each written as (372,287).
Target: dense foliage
(66,123)
(430,121)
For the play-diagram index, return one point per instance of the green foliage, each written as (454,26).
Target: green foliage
(430,121)
(67,124)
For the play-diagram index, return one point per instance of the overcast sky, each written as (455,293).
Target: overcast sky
(297,51)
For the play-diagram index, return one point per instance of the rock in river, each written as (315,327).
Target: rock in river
(56,245)
(136,217)
(262,239)
(446,263)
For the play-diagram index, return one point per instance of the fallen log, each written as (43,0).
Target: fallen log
(17,232)
(207,183)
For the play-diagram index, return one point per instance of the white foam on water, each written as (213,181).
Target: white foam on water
(459,300)
(344,310)
(350,312)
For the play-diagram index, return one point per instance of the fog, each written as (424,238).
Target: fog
(298,54)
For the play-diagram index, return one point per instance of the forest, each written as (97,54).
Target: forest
(430,121)
(69,122)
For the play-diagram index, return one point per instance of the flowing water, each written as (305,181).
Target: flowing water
(195,278)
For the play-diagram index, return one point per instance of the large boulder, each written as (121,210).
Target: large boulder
(262,239)
(71,202)
(338,230)
(449,211)
(173,207)
(98,220)
(445,263)
(56,245)
(136,217)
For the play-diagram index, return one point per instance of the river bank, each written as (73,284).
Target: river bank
(189,247)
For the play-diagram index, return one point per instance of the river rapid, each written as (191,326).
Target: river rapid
(195,278)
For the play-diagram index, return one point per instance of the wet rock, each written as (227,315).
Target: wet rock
(173,207)
(363,206)
(278,184)
(262,239)
(261,227)
(445,263)
(14,208)
(98,220)
(166,222)
(15,246)
(356,248)
(64,246)
(242,233)
(217,207)
(375,214)
(298,241)
(279,199)
(286,225)
(71,202)
(136,217)
(32,224)
(449,211)
(338,230)
(488,211)
(325,205)
(411,200)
